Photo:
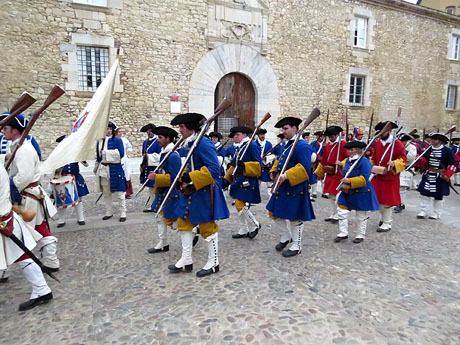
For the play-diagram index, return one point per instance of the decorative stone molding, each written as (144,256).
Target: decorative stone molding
(237,21)
(229,58)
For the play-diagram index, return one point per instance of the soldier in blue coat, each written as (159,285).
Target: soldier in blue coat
(150,159)
(244,185)
(110,173)
(162,181)
(80,184)
(204,202)
(265,147)
(455,148)
(216,138)
(291,201)
(361,196)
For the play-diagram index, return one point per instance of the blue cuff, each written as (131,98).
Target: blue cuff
(15,196)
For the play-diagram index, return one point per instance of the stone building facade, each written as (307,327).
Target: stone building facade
(296,54)
(449,6)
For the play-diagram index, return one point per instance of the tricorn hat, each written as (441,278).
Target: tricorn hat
(290,120)
(262,131)
(379,126)
(318,133)
(355,144)
(241,129)
(305,134)
(416,136)
(165,131)
(112,125)
(145,128)
(215,134)
(438,136)
(19,122)
(455,139)
(405,137)
(187,118)
(333,130)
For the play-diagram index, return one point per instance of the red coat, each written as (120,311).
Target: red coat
(387,186)
(329,158)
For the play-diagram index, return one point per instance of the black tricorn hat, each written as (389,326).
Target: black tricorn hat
(112,125)
(416,136)
(333,130)
(165,131)
(262,131)
(19,122)
(145,128)
(455,139)
(379,126)
(305,134)
(187,118)
(215,134)
(405,137)
(318,133)
(241,129)
(355,144)
(290,120)
(438,136)
(61,138)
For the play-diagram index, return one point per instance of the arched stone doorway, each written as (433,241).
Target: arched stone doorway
(239,90)
(235,58)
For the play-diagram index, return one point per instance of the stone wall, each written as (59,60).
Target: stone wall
(309,52)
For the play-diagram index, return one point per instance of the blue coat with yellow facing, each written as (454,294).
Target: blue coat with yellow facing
(292,200)
(204,171)
(246,185)
(362,197)
(170,169)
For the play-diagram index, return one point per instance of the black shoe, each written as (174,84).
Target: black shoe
(195,240)
(314,196)
(332,220)
(288,253)
(312,200)
(155,250)
(358,240)
(81,222)
(254,233)
(239,236)
(122,219)
(340,239)
(51,269)
(3,280)
(383,230)
(399,208)
(32,303)
(61,225)
(281,245)
(186,268)
(148,211)
(324,196)
(107,217)
(204,273)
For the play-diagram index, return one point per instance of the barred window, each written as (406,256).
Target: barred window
(356,90)
(450,9)
(92,2)
(454,47)
(451,102)
(360,32)
(93,66)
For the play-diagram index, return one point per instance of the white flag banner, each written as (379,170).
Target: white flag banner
(91,126)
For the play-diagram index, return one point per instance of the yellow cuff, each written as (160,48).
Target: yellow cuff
(275,166)
(162,180)
(358,182)
(252,169)
(296,174)
(400,165)
(372,162)
(344,162)
(201,178)
(319,171)
(343,207)
(228,174)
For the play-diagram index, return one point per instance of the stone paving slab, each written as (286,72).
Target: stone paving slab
(400,287)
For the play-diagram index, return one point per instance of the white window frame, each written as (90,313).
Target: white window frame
(353,86)
(360,31)
(451,97)
(91,2)
(450,8)
(454,47)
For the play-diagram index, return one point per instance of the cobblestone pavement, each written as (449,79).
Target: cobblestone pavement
(400,287)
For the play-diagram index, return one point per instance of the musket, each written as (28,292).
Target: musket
(243,153)
(99,198)
(384,130)
(338,152)
(370,127)
(165,158)
(222,146)
(21,104)
(55,93)
(327,119)
(271,150)
(313,115)
(346,124)
(224,105)
(451,129)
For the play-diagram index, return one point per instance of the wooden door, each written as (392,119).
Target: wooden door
(239,90)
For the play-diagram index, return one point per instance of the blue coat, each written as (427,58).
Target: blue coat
(198,205)
(117,174)
(363,198)
(149,146)
(74,169)
(4,142)
(172,207)
(279,150)
(251,193)
(265,177)
(315,149)
(293,202)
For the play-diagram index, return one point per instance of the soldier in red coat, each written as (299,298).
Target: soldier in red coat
(331,167)
(388,164)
